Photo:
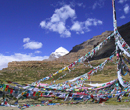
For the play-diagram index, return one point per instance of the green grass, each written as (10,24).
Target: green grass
(113,101)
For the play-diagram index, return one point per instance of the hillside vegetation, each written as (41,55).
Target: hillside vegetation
(28,74)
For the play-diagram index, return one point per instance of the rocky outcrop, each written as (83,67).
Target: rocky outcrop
(107,49)
(82,49)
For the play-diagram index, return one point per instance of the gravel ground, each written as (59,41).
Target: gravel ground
(72,107)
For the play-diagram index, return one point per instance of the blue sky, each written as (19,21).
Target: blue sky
(33,29)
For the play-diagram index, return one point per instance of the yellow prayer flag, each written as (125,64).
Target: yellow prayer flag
(66,69)
(76,89)
(54,74)
(60,71)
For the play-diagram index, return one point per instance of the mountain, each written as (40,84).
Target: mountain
(58,53)
(81,49)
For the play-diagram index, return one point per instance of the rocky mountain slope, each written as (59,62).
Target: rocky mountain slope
(106,51)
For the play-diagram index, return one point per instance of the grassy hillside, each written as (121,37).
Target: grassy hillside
(29,74)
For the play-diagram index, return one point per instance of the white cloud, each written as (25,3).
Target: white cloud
(79,4)
(67,33)
(65,12)
(58,27)
(99,4)
(77,26)
(81,27)
(96,22)
(55,18)
(92,22)
(19,57)
(94,5)
(88,23)
(71,3)
(122,17)
(26,39)
(60,3)
(126,9)
(122,1)
(32,45)
(43,24)
(38,51)
(57,22)
(61,27)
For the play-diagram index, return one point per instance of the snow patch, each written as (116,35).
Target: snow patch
(58,53)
